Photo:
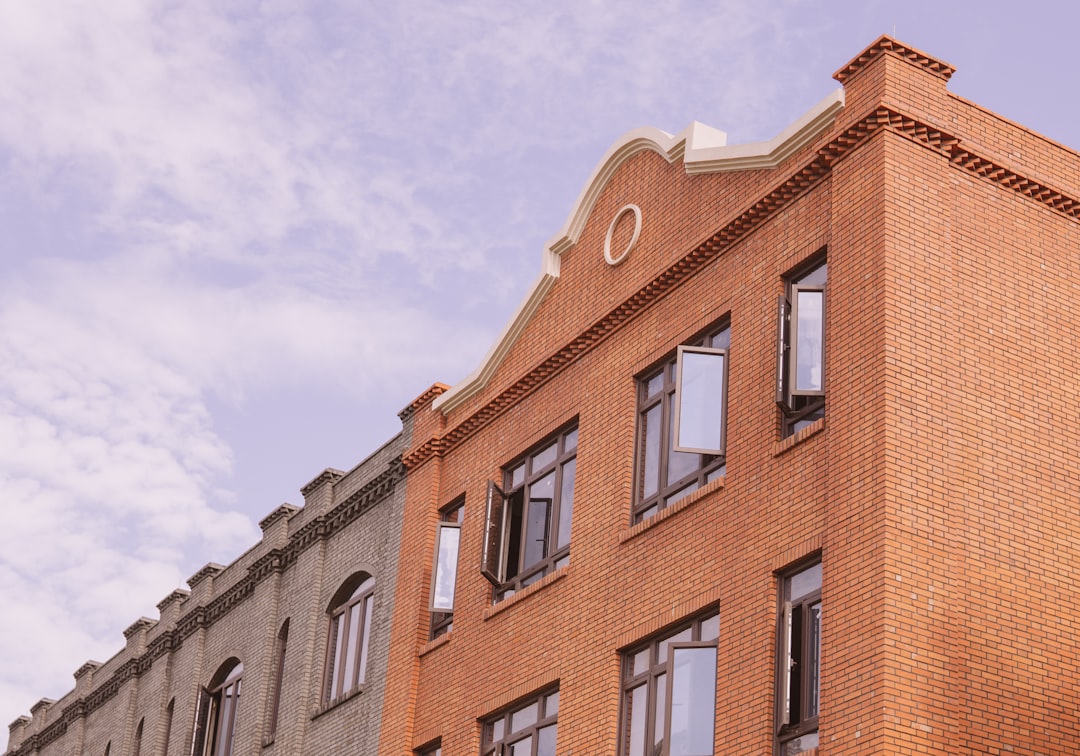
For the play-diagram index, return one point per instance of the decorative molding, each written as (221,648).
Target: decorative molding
(701,148)
(611,260)
(43,704)
(887,45)
(283,510)
(139,625)
(178,595)
(89,666)
(210,569)
(329,475)
(432,393)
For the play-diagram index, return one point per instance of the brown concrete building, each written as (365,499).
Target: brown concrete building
(779,455)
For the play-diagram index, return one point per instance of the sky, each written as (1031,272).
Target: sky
(237,237)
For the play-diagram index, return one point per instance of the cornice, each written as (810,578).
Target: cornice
(702,149)
(887,45)
(329,475)
(210,569)
(284,510)
(89,666)
(809,174)
(178,595)
(143,623)
(432,393)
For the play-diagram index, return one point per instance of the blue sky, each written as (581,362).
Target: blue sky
(236,238)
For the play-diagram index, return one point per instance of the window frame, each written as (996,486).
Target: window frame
(804,681)
(502,721)
(208,726)
(450,517)
(667,397)
(336,687)
(649,678)
(500,517)
(799,406)
(279,679)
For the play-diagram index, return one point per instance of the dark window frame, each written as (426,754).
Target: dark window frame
(657,393)
(497,739)
(343,625)
(799,407)
(215,725)
(798,661)
(450,516)
(656,679)
(503,561)
(279,679)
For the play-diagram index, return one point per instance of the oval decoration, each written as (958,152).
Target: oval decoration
(633,239)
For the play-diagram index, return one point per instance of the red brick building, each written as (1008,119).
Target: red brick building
(780,454)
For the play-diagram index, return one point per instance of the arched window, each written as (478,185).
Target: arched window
(168,726)
(108,748)
(279,677)
(138,739)
(347,643)
(218,705)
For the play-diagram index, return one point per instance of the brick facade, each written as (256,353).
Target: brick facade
(936,492)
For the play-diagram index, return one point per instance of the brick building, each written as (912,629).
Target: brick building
(777,456)
(268,655)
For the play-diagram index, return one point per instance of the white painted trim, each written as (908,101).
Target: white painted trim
(702,149)
(613,261)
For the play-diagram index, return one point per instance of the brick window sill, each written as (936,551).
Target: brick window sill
(785,444)
(435,643)
(524,593)
(638,528)
(338,702)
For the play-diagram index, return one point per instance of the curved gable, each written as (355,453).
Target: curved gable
(702,149)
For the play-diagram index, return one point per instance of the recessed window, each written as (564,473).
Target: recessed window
(136,749)
(799,663)
(279,677)
(350,631)
(444,574)
(528,524)
(800,360)
(527,729)
(669,692)
(168,726)
(681,424)
(218,710)
(431,750)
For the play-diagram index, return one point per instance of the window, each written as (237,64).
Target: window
(527,534)
(279,677)
(681,424)
(137,748)
(526,730)
(168,726)
(800,361)
(444,575)
(347,641)
(799,662)
(669,693)
(431,750)
(215,725)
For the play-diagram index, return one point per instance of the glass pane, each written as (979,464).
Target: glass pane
(806,582)
(545,741)
(815,277)
(541,496)
(650,432)
(551,705)
(654,385)
(721,340)
(517,476)
(496,733)
(813,664)
(570,442)
(693,701)
(368,603)
(809,372)
(525,717)
(641,661)
(638,716)
(682,493)
(522,747)
(336,629)
(446,569)
(660,711)
(351,647)
(801,744)
(701,401)
(710,628)
(680,464)
(566,503)
(719,472)
(544,458)
(680,637)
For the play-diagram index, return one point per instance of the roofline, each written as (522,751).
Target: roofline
(702,149)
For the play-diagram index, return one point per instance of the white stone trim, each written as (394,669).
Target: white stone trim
(702,149)
(611,260)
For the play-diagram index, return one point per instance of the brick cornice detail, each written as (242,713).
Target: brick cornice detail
(794,186)
(887,45)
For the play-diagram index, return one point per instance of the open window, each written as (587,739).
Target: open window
(217,712)
(800,359)
(528,518)
(350,614)
(799,664)
(682,419)
(444,573)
